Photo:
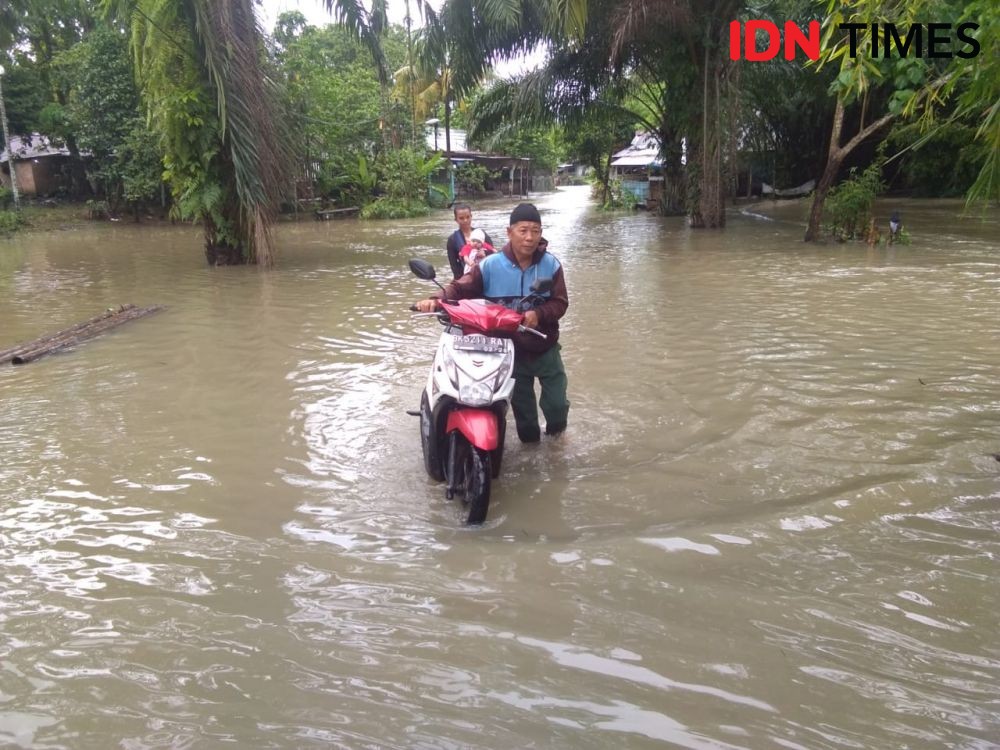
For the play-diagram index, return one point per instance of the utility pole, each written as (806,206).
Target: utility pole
(10,147)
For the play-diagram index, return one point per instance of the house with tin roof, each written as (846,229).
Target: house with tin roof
(639,166)
(42,167)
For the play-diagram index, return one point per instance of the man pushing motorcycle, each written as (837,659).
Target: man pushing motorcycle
(506,277)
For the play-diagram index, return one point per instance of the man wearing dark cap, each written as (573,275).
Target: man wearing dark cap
(507,276)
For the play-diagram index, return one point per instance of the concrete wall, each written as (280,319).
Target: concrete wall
(25,177)
(39,176)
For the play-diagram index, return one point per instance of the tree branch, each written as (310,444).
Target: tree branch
(861,136)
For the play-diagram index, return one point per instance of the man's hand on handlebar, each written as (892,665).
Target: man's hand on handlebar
(428,305)
(530,319)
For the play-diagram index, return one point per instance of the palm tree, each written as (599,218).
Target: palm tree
(200,65)
(702,77)
(662,62)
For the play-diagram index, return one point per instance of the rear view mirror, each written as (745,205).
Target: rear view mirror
(541,286)
(422,269)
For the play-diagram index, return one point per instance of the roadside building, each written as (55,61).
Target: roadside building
(42,168)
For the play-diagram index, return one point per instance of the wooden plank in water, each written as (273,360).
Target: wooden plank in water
(110,318)
(335,213)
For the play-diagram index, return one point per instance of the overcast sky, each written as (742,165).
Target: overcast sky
(315,12)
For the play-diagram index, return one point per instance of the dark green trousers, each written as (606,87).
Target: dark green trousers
(549,370)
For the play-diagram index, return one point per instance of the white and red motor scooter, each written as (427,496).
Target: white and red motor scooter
(463,409)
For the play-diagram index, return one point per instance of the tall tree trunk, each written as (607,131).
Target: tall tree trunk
(834,160)
(10,152)
(672,202)
(706,202)
(712,192)
(447,127)
(605,177)
(413,73)
(447,144)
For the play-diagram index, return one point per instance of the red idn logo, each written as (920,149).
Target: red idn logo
(793,37)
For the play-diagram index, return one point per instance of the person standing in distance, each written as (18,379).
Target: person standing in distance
(506,277)
(460,238)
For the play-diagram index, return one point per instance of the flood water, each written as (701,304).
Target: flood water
(773,521)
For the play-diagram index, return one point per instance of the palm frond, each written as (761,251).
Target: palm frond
(227,167)
(230,40)
(642,19)
(365,26)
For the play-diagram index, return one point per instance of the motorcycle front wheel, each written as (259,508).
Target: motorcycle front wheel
(430,441)
(476,476)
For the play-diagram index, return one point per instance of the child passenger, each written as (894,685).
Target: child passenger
(477,249)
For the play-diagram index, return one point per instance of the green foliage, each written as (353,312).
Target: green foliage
(188,131)
(785,108)
(538,143)
(208,86)
(54,120)
(922,87)
(392,208)
(355,186)
(942,164)
(903,238)
(848,205)
(103,113)
(404,174)
(98,209)
(10,221)
(139,165)
(619,197)
(974,85)
(594,140)
(471,177)
(6,198)
(334,104)
(404,179)
(24,95)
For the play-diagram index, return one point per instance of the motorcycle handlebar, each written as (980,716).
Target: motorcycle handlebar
(525,329)
(520,329)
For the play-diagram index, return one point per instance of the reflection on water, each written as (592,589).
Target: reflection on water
(772,522)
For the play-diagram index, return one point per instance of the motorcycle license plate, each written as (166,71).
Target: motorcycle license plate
(477,343)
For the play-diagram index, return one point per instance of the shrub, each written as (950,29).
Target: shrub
(404,175)
(394,208)
(471,177)
(849,204)
(98,209)
(10,221)
(619,197)
(6,198)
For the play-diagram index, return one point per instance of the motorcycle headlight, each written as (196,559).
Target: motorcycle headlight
(504,371)
(450,367)
(475,394)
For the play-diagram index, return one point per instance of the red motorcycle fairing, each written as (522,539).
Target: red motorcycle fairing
(480,427)
(486,317)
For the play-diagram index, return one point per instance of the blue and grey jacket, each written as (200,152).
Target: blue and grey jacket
(499,277)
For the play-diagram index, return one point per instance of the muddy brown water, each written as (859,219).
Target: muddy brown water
(773,522)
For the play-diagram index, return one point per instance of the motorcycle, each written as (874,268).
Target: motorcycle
(463,408)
